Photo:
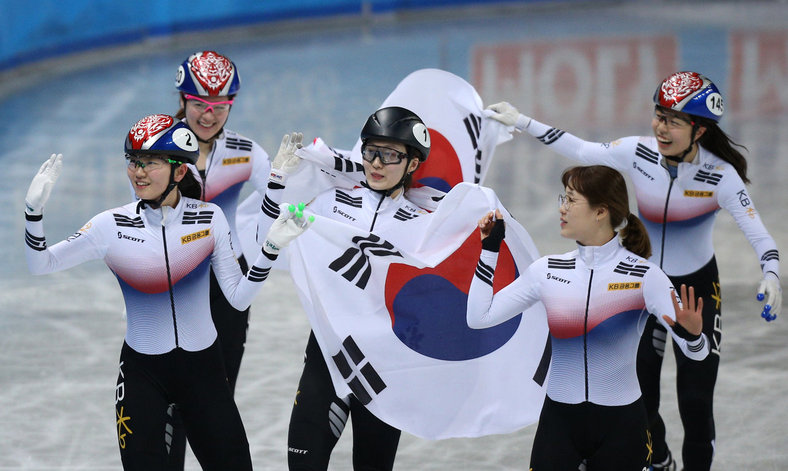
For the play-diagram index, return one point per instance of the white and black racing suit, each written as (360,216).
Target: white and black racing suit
(679,213)
(319,415)
(161,259)
(597,300)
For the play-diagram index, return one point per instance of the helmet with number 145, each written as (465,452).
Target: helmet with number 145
(162,135)
(401,125)
(208,73)
(691,93)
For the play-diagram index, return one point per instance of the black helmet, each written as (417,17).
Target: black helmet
(400,125)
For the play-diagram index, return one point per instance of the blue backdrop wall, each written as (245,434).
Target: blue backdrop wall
(33,31)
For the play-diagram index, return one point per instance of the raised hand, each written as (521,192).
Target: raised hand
(492,230)
(290,224)
(689,315)
(286,161)
(42,184)
(507,114)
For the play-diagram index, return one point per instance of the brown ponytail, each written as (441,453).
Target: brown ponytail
(635,238)
(604,186)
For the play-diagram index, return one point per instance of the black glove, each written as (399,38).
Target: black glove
(493,241)
(684,333)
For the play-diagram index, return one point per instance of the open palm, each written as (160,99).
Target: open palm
(689,313)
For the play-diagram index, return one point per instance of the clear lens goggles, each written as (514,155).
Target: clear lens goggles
(154,163)
(387,155)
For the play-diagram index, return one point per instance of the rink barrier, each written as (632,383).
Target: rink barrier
(30,34)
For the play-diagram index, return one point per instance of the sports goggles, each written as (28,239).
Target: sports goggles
(204,106)
(387,155)
(153,164)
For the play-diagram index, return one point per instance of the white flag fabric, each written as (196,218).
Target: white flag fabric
(462,139)
(389,315)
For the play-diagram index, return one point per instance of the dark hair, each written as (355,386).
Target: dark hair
(720,144)
(189,186)
(408,183)
(604,186)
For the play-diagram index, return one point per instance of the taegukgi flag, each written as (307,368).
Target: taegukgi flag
(463,143)
(389,315)
(462,140)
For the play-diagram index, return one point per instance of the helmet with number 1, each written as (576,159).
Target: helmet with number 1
(208,73)
(399,125)
(691,93)
(161,134)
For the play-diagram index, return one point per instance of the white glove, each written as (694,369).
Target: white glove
(769,289)
(290,224)
(508,115)
(285,162)
(42,184)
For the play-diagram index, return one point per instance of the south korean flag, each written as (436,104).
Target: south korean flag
(390,317)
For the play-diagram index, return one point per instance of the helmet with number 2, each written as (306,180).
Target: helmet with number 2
(161,134)
(399,125)
(208,73)
(691,93)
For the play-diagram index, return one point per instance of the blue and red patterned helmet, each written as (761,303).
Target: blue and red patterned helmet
(691,93)
(208,73)
(161,134)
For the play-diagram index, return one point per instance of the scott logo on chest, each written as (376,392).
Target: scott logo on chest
(550,276)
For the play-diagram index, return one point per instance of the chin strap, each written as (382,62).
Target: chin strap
(680,158)
(156,204)
(390,191)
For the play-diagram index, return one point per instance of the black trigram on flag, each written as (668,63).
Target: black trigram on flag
(357,258)
(346,165)
(349,363)
(473,124)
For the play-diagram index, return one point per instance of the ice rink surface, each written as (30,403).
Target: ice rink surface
(590,70)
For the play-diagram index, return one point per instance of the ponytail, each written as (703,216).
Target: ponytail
(605,187)
(181,114)
(189,186)
(634,237)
